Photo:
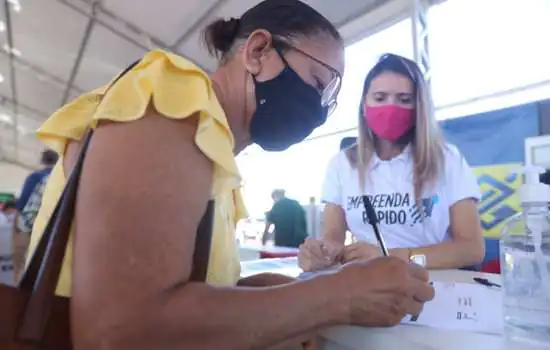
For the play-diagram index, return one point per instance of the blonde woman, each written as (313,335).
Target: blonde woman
(423,191)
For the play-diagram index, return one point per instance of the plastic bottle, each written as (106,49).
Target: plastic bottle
(525,267)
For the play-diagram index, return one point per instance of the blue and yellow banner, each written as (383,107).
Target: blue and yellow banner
(499,200)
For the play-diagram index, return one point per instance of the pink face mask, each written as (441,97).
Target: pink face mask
(388,122)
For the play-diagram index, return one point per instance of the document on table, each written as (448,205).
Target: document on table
(462,307)
(308,275)
(285,266)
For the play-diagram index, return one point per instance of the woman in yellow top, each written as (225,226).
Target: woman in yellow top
(165,140)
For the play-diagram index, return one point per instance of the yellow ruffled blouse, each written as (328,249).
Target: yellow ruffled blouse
(178,89)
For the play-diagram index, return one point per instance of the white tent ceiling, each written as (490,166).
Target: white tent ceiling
(61,48)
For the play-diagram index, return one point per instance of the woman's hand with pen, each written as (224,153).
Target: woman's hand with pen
(360,251)
(379,291)
(319,254)
(364,251)
(382,291)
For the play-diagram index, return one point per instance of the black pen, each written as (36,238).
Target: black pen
(486,282)
(373,221)
(414,318)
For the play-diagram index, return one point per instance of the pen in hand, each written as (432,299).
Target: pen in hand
(373,221)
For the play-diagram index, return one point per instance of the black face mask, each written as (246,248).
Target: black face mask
(287,111)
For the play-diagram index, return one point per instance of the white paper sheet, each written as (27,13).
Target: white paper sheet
(284,266)
(464,307)
(308,275)
(457,306)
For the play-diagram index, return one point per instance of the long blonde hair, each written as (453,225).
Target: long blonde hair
(427,143)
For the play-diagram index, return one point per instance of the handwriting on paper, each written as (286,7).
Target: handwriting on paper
(462,306)
(464,301)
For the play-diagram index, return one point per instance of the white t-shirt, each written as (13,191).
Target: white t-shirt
(390,189)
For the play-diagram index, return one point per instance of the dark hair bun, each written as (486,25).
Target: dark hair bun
(220,35)
(282,18)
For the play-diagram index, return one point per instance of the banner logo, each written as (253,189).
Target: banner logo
(498,200)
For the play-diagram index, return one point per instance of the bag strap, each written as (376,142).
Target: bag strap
(203,241)
(42,274)
(32,272)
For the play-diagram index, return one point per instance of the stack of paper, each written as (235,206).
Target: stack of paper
(464,307)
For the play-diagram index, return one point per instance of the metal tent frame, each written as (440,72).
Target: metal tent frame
(54,50)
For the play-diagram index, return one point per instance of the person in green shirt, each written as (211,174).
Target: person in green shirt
(289,219)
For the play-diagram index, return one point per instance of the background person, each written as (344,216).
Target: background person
(422,189)
(545,177)
(288,218)
(48,160)
(7,216)
(23,225)
(347,142)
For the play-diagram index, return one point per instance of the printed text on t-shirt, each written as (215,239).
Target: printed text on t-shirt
(394,208)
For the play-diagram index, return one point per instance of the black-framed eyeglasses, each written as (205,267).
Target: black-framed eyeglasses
(330,92)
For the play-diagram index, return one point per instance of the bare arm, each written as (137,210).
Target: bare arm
(266,231)
(265,280)
(466,247)
(321,254)
(334,223)
(136,219)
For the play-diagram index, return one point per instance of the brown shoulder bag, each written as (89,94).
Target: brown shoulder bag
(31,315)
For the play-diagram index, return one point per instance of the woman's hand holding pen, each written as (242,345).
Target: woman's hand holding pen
(400,288)
(317,254)
(381,291)
(364,251)
(360,251)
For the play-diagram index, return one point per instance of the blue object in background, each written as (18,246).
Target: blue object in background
(491,138)
(492,250)
(496,137)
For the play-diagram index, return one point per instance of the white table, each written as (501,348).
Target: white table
(248,252)
(403,337)
(414,337)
